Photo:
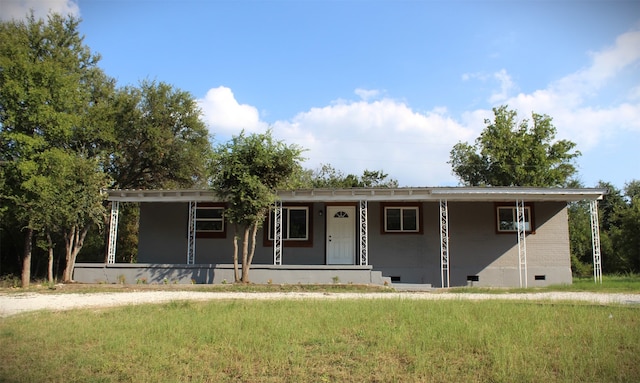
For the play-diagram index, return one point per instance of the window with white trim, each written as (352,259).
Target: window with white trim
(295,223)
(507,219)
(210,221)
(401,219)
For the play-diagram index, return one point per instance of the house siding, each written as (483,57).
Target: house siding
(475,247)
(162,234)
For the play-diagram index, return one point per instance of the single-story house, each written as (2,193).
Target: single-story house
(439,236)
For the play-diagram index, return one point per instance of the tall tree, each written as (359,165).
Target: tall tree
(580,235)
(619,231)
(247,172)
(515,153)
(626,234)
(608,214)
(50,93)
(161,139)
(65,194)
(160,142)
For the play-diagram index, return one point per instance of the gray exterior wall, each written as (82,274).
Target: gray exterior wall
(141,273)
(163,239)
(475,248)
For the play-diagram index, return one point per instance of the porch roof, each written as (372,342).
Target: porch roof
(486,194)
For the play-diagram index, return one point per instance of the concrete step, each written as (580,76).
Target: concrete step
(412,287)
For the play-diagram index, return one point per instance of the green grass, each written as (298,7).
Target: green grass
(610,283)
(81,288)
(326,341)
(628,283)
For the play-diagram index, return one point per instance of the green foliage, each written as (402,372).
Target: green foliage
(128,233)
(49,86)
(514,153)
(327,176)
(61,189)
(625,235)
(65,129)
(161,140)
(580,236)
(248,170)
(51,104)
(619,221)
(581,269)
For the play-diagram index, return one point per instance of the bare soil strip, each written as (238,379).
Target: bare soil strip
(12,304)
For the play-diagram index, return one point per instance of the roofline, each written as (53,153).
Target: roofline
(376,194)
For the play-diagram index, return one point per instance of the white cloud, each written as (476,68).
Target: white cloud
(605,64)
(474,76)
(506,86)
(223,114)
(574,101)
(18,9)
(380,135)
(367,94)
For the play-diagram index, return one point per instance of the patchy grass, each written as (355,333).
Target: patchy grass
(628,283)
(326,341)
(610,283)
(230,287)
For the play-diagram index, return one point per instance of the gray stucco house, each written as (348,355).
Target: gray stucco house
(443,236)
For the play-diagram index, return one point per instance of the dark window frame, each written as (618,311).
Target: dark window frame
(402,206)
(529,207)
(290,242)
(211,233)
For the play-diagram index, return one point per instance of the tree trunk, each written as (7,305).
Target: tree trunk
(26,259)
(236,271)
(254,232)
(107,224)
(50,265)
(68,239)
(245,253)
(74,240)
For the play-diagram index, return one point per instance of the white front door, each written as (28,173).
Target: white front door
(341,235)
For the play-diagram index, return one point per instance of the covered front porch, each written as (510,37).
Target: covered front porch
(314,260)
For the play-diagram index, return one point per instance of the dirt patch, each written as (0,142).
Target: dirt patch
(19,302)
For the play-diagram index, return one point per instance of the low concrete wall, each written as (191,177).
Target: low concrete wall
(132,273)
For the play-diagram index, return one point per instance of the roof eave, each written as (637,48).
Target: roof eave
(377,194)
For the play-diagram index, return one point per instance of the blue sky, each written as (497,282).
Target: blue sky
(384,85)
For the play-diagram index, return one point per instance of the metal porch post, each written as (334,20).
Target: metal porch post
(113,232)
(444,243)
(595,241)
(191,237)
(364,234)
(277,233)
(522,243)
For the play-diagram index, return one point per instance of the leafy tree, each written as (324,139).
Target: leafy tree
(626,234)
(632,190)
(50,98)
(328,177)
(515,153)
(161,141)
(247,172)
(619,231)
(608,214)
(65,194)
(580,236)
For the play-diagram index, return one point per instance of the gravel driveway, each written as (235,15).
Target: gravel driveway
(16,303)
